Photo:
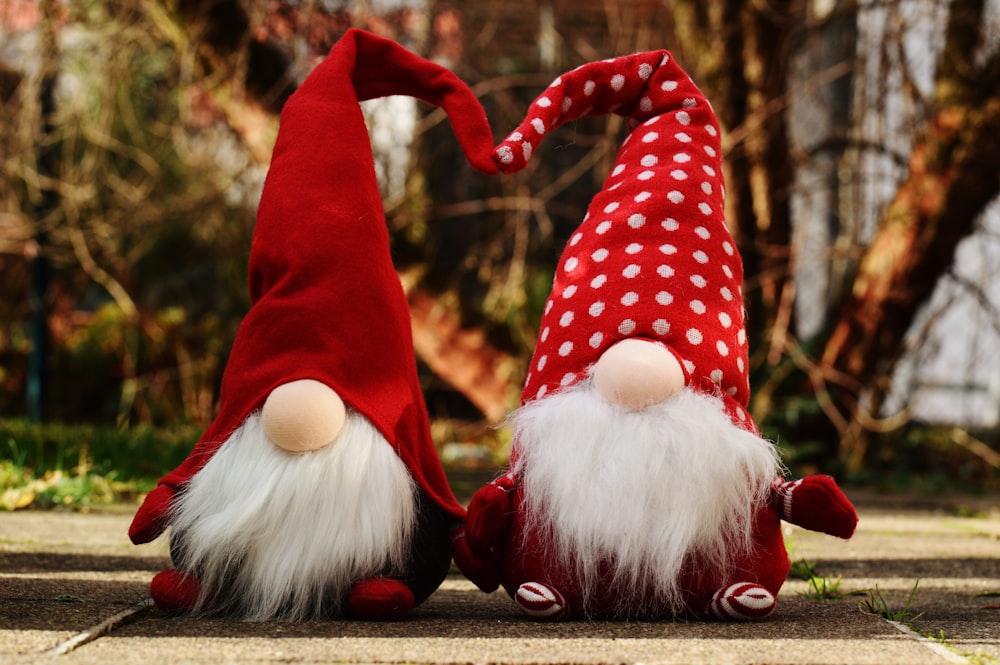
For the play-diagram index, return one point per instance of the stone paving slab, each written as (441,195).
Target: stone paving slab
(64,573)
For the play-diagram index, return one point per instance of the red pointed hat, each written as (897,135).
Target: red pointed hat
(327,303)
(653,257)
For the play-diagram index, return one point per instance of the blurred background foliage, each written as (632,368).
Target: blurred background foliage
(861,159)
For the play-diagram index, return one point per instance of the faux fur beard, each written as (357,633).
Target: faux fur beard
(636,494)
(285,535)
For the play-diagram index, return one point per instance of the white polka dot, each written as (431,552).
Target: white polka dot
(668,86)
(689,366)
(646,104)
(699,281)
(577,237)
(702,232)
(611,207)
(683,117)
(670,224)
(706,187)
(566,319)
(705,208)
(726,293)
(598,281)
(727,247)
(712,131)
(689,103)
(618,170)
(569,291)
(567,104)
(649,160)
(645,70)
(668,249)
(675,197)
(596,308)
(664,298)
(548,305)
(716,376)
(526,150)
(588,88)
(539,125)
(603,227)
(682,158)
(566,349)
(698,307)
(661,327)
(649,137)
(617,81)
(642,196)
(741,337)
(726,271)
(646,175)
(677,174)
(725,320)
(710,151)
(626,327)
(516,136)
(571,264)
(682,137)
(630,298)
(700,256)
(541,392)
(599,255)
(665,271)
(722,348)
(708,169)
(633,248)
(545,334)
(740,365)
(544,102)
(506,154)
(567,379)
(694,336)
(596,339)
(631,271)
(541,362)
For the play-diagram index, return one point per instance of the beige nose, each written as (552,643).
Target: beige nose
(304,415)
(635,374)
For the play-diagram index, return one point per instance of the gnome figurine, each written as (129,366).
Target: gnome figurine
(639,486)
(317,492)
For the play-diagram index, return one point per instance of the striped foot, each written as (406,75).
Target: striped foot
(540,601)
(741,602)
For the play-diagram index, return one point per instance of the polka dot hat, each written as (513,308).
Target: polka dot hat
(653,257)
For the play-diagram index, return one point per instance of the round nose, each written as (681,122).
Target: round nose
(303,415)
(636,373)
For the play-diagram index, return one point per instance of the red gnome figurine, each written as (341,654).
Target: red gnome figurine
(317,492)
(639,485)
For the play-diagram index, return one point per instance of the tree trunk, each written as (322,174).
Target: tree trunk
(954,173)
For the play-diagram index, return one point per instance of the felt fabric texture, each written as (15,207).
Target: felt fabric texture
(653,257)
(327,303)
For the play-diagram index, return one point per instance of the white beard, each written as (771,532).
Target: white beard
(284,535)
(638,494)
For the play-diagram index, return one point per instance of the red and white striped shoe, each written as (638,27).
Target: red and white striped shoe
(540,601)
(741,602)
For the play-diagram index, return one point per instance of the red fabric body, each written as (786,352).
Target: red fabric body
(327,303)
(523,558)
(653,257)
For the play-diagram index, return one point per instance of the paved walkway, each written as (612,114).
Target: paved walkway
(72,590)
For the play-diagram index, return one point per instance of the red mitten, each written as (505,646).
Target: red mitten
(380,599)
(153,515)
(480,571)
(488,518)
(174,591)
(815,503)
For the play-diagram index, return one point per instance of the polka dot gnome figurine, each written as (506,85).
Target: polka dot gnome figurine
(639,485)
(317,492)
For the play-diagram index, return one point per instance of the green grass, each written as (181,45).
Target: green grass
(878,605)
(81,466)
(820,587)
